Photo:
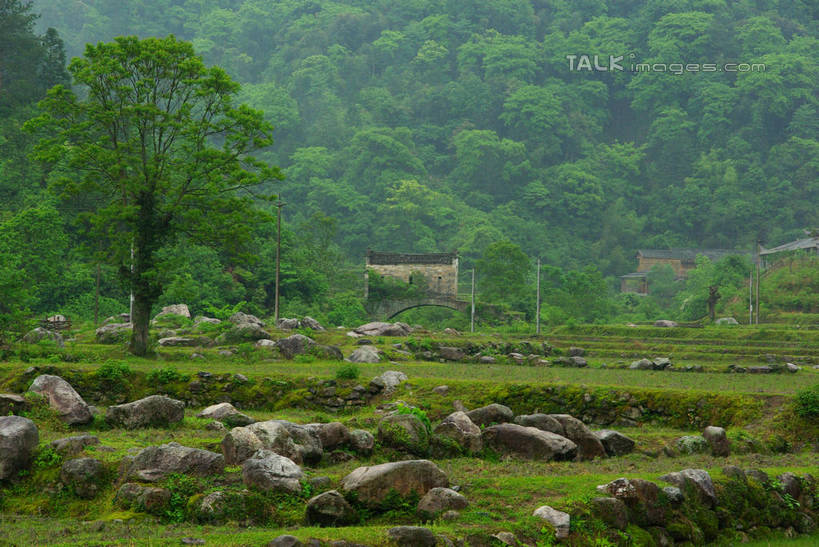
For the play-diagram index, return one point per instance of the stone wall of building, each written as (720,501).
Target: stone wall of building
(439,270)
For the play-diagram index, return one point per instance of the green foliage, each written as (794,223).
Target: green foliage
(348,371)
(47,458)
(166,375)
(181,487)
(806,403)
(417,412)
(382,287)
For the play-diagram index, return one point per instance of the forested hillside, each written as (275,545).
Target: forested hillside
(431,125)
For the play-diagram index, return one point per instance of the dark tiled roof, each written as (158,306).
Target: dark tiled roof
(808,243)
(688,254)
(376,257)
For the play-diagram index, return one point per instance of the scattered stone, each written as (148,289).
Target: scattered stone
(487,360)
(412,536)
(364,354)
(660,363)
(448,353)
(226,413)
(71,446)
(330,509)
(726,321)
(330,353)
(528,442)
(295,344)
(790,367)
(266,470)
(152,411)
(698,478)
(642,364)
(364,342)
(611,511)
(578,362)
(310,323)
(156,462)
(217,426)
(615,443)
(491,414)
(588,445)
(113,333)
(287,323)
(378,328)
(72,409)
(372,484)
(438,500)
(175,309)
(718,440)
(13,404)
(362,442)
(559,520)
(692,444)
(544,422)
(285,541)
(19,438)
(388,381)
(574,351)
(665,323)
(642,498)
(84,475)
(404,432)
(265,343)
(39,334)
(460,429)
(440,390)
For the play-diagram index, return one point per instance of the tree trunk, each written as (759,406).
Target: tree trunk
(146,290)
(140,322)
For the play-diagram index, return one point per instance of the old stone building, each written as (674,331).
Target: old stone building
(681,261)
(440,270)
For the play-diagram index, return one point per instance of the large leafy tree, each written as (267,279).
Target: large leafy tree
(156,139)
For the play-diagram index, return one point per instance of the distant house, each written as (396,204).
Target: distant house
(807,245)
(681,261)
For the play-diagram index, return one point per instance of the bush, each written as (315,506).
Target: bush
(420,414)
(347,372)
(165,375)
(807,402)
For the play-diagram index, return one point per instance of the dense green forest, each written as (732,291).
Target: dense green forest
(432,125)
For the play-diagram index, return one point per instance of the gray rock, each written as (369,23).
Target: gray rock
(207,320)
(113,333)
(674,495)
(152,411)
(665,323)
(691,444)
(507,538)
(699,479)
(615,443)
(611,511)
(364,354)
(39,334)
(185,341)
(440,390)
(404,432)
(240,318)
(661,363)
(451,354)
(226,413)
(758,476)
(175,309)
(285,541)
(306,440)
(642,498)
(84,475)
(718,440)
(412,536)
(19,438)
(372,484)
(487,360)
(71,408)
(71,446)
(763,369)
(239,444)
(362,442)
(559,520)
(378,328)
(310,323)
(332,435)
(588,445)
(791,485)
(726,321)
(156,462)
(460,429)
(790,367)
(11,403)
(266,470)
(287,323)
(388,381)
(574,351)
(528,442)
(491,414)
(144,498)
(330,353)
(578,362)
(544,422)
(642,364)
(330,509)
(295,344)
(438,500)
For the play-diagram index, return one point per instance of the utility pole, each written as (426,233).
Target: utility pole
(472,315)
(537,307)
(131,307)
(279,205)
(756,308)
(97,299)
(751,297)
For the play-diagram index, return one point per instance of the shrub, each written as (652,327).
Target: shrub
(165,375)
(347,372)
(807,402)
(420,414)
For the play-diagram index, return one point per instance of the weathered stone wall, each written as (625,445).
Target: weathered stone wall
(440,278)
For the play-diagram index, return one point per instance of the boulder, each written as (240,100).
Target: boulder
(762,369)
(175,309)
(185,341)
(113,333)
(39,334)
(227,414)
(84,475)
(144,498)
(156,462)
(71,446)
(460,429)
(528,442)
(491,414)
(239,444)
(559,520)
(246,328)
(240,318)
(697,480)
(438,500)
(726,321)
(330,509)
(487,360)
(611,511)
(287,323)
(615,443)
(718,440)
(332,435)
(330,353)
(295,344)
(285,540)
(691,444)
(378,328)
(404,432)
(660,363)
(62,398)
(265,343)
(451,354)
(642,364)
(207,320)
(588,445)
(11,403)
(276,437)
(372,484)
(791,485)
(19,438)
(306,440)
(310,323)
(451,332)
(388,381)
(642,498)
(790,367)
(151,411)
(266,470)
(544,422)
(364,354)
(665,323)
(412,536)
(361,442)
(441,390)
